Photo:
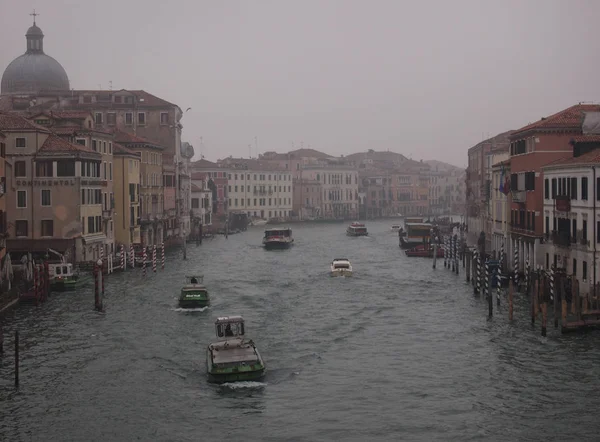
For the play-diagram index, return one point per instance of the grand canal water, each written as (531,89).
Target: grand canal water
(398,352)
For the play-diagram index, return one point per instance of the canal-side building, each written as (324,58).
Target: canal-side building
(78,127)
(201,205)
(339,184)
(531,147)
(571,221)
(258,188)
(3,218)
(500,212)
(127,215)
(153,218)
(307,198)
(217,183)
(479,186)
(54,192)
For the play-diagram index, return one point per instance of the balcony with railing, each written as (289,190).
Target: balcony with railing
(562,238)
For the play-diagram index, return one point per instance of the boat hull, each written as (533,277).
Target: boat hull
(335,273)
(196,303)
(277,245)
(356,234)
(246,376)
(66,285)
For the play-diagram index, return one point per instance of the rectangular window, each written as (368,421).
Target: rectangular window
(547,225)
(573,188)
(547,189)
(21,199)
(81,141)
(574,267)
(21,227)
(584,271)
(20,169)
(554,189)
(128,118)
(584,188)
(44,169)
(584,230)
(164,118)
(20,142)
(91,226)
(110,171)
(111,118)
(98,118)
(46,199)
(110,148)
(141,118)
(65,168)
(47,227)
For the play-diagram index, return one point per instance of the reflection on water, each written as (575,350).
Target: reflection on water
(399,351)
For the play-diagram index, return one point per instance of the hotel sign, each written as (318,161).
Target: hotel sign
(66,182)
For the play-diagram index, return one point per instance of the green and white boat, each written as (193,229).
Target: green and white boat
(234,358)
(64,277)
(194,294)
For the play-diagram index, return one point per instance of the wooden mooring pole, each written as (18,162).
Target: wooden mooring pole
(16,358)
(467,258)
(435,249)
(560,292)
(533,294)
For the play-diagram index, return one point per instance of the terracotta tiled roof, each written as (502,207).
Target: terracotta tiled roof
(308,153)
(204,164)
(127,138)
(119,149)
(143,98)
(570,118)
(592,138)
(13,122)
(55,144)
(68,114)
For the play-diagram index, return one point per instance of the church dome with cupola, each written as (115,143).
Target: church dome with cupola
(34,71)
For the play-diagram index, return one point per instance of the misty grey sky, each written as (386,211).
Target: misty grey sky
(427,79)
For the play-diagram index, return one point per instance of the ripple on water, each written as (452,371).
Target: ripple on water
(400,351)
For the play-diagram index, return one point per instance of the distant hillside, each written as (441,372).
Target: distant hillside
(440,166)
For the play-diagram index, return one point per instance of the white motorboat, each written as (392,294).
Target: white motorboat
(341,267)
(396,227)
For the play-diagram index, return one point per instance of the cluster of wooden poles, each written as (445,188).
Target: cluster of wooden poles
(552,286)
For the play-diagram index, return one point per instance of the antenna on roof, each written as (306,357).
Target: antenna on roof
(110,85)
(250,150)
(256,145)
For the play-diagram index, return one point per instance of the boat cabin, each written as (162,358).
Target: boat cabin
(61,270)
(194,280)
(341,263)
(230,326)
(278,233)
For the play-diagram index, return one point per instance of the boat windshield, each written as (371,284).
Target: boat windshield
(341,266)
(275,233)
(230,329)
(359,229)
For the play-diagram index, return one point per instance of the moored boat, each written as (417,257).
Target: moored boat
(396,227)
(416,234)
(341,267)
(194,294)
(357,229)
(64,277)
(278,238)
(233,358)
(424,251)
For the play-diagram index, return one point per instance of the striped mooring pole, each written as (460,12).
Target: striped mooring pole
(154,258)
(123,258)
(478,282)
(456,253)
(131,256)
(498,272)
(162,264)
(102,254)
(445,246)
(486,286)
(144,257)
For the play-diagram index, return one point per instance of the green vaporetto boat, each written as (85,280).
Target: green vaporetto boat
(234,358)
(63,277)
(194,294)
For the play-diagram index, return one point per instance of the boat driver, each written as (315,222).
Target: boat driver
(228,331)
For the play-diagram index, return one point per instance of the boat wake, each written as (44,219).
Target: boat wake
(243,384)
(180,309)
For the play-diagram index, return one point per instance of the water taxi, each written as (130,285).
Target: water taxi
(341,267)
(194,294)
(278,239)
(416,234)
(64,277)
(357,229)
(233,358)
(424,251)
